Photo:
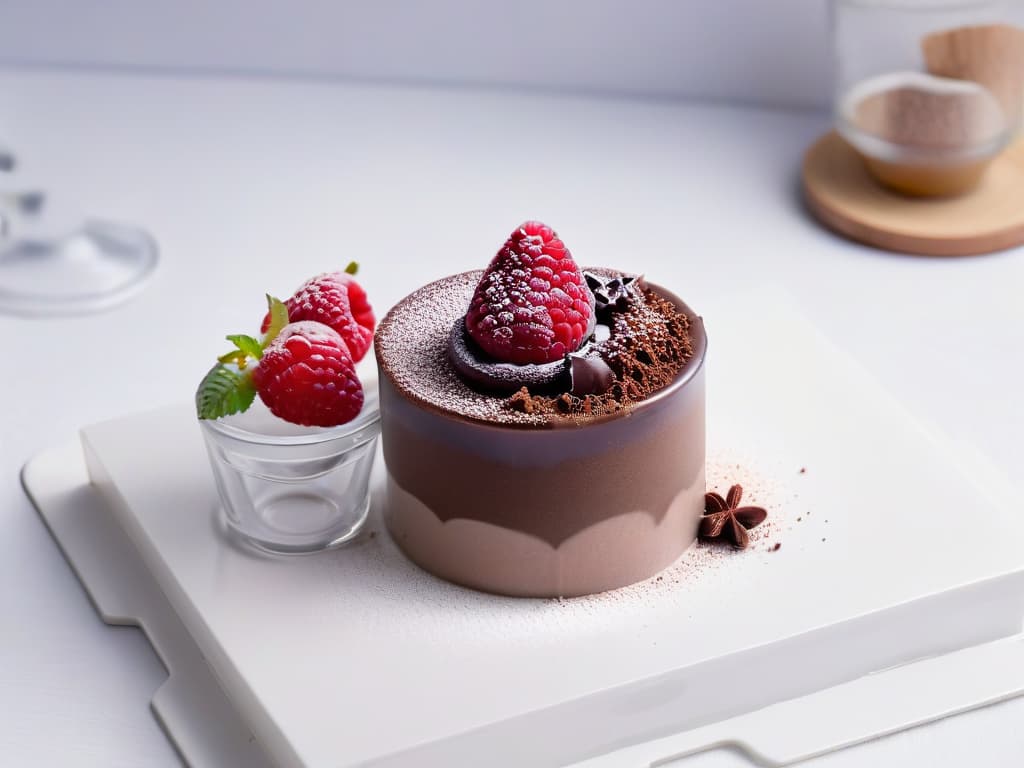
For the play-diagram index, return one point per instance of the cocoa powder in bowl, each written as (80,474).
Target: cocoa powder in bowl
(924,135)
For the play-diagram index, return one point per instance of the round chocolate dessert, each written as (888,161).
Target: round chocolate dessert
(578,473)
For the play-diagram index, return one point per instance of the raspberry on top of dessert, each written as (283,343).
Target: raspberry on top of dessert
(532,304)
(534,338)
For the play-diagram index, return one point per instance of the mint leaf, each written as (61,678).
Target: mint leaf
(224,391)
(236,356)
(278,319)
(247,345)
(352,268)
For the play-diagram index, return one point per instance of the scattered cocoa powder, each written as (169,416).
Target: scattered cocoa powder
(648,347)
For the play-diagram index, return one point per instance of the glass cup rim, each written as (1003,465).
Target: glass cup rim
(367,421)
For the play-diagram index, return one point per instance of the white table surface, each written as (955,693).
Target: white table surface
(251,186)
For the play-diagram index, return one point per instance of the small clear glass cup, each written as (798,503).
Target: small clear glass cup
(288,489)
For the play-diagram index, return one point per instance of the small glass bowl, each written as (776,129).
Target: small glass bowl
(288,489)
(928,92)
(960,129)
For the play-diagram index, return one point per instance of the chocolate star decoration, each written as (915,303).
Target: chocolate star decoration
(725,519)
(612,293)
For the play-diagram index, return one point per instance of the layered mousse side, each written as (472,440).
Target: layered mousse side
(623,502)
(530,503)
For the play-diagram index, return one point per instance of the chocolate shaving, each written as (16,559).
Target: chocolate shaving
(612,294)
(724,519)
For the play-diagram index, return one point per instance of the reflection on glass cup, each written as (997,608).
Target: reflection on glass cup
(290,489)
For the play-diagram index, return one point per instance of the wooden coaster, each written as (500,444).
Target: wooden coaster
(845,198)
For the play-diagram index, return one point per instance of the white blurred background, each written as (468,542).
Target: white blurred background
(241,200)
(749,51)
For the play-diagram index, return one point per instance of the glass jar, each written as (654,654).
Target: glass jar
(928,92)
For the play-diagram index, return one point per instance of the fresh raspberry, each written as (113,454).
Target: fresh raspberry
(306,376)
(337,300)
(532,304)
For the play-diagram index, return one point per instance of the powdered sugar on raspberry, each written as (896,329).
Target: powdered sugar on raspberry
(306,376)
(532,304)
(335,300)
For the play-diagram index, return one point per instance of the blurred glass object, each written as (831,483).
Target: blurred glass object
(928,92)
(54,266)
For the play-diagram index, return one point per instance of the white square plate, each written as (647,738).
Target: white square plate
(355,656)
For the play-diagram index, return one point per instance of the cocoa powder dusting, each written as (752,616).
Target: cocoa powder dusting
(412,352)
(648,347)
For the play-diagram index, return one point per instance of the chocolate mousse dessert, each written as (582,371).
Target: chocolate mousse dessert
(543,425)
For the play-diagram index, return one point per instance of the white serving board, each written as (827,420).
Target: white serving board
(193,709)
(356,657)
(207,731)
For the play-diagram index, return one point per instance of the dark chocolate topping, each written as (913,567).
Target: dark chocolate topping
(496,378)
(651,342)
(613,293)
(580,373)
(590,374)
(412,352)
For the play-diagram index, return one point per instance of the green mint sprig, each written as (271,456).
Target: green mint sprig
(245,347)
(278,319)
(228,387)
(224,390)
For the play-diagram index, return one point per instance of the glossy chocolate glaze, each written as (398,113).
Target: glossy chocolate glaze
(582,372)
(501,378)
(554,481)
